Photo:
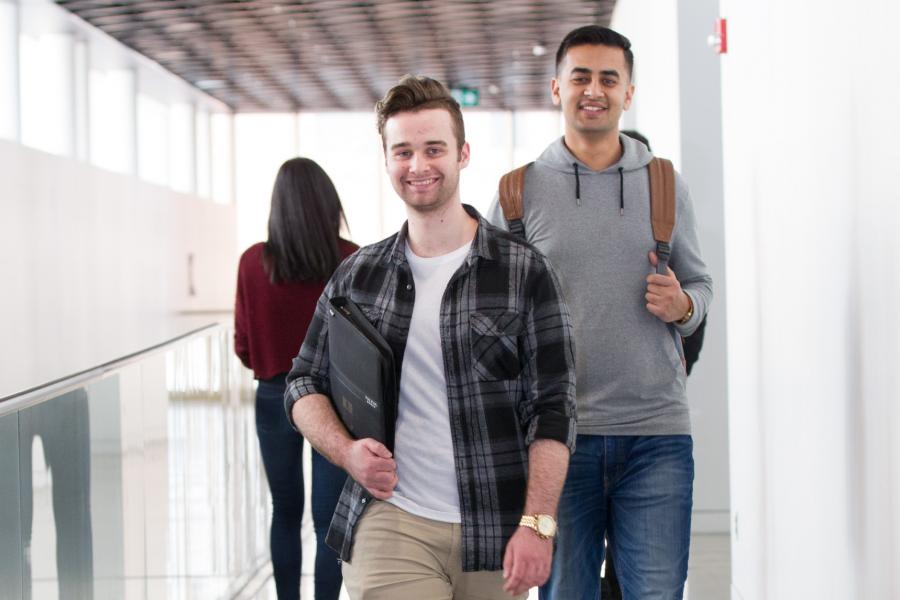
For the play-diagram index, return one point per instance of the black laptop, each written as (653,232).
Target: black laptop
(364,386)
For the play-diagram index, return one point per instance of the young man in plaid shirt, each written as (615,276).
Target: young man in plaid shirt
(465,506)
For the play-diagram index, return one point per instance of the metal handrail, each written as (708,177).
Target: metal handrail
(36,395)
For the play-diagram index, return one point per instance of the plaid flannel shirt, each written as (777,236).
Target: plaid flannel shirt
(509,366)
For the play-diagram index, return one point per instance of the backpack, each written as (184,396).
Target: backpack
(662,220)
(662,205)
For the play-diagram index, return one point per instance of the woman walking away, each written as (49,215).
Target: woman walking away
(279,283)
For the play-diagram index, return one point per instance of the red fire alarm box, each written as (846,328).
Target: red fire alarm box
(719,40)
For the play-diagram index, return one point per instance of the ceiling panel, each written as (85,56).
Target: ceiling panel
(271,56)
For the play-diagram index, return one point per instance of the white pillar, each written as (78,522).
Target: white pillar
(700,93)
(9,70)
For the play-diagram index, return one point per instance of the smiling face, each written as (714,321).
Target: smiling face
(422,158)
(594,89)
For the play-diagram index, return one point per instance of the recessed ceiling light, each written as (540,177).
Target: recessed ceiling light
(210,84)
(183,27)
(174,54)
(539,50)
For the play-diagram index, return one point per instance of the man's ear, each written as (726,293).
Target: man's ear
(629,94)
(554,91)
(464,156)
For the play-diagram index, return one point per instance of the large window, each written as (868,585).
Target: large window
(47,83)
(153,139)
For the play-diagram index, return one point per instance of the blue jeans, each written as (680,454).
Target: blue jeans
(638,491)
(281,448)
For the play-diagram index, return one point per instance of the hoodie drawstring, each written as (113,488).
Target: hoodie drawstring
(621,188)
(621,193)
(577,185)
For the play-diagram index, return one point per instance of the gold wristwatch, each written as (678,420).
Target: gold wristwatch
(690,312)
(543,525)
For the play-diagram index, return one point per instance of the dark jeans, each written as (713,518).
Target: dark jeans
(282,449)
(638,492)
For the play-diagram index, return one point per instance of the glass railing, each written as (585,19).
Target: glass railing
(141,482)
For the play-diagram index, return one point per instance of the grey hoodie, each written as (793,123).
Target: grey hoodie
(594,226)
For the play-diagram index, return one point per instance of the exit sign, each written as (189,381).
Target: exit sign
(465,96)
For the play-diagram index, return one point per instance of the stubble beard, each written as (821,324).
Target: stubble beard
(442,198)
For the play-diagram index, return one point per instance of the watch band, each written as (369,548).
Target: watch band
(544,526)
(690,311)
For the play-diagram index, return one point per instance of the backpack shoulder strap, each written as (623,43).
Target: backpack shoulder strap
(512,188)
(662,218)
(662,208)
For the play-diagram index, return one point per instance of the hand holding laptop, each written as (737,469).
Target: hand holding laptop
(371,465)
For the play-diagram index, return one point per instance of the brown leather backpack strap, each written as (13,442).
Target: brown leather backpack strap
(662,199)
(662,208)
(512,191)
(662,218)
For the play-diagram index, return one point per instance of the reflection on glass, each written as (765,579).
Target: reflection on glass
(217,497)
(62,475)
(10,525)
(146,483)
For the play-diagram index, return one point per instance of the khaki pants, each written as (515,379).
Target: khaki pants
(399,556)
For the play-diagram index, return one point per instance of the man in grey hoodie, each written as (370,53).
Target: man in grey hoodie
(587,207)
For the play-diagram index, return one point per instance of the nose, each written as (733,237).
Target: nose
(418,163)
(593,89)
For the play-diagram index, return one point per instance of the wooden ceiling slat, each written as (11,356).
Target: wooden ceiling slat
(272,55)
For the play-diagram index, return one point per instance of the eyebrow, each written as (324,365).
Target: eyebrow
(427,143)
(586,71)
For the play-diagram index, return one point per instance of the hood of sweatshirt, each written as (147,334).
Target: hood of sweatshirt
(635,156)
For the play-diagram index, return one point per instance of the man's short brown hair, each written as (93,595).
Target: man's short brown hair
(415,93)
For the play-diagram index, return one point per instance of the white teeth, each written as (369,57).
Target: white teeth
(423,182)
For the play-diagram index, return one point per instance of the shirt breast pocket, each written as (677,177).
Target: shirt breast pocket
(494,339)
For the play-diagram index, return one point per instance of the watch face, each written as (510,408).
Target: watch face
(546,525)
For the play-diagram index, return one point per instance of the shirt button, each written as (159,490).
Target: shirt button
(363,500)
(409,286)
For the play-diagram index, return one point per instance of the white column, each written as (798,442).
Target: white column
(9,70)
(700,94)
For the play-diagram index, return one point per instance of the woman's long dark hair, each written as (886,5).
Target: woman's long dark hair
(304,222)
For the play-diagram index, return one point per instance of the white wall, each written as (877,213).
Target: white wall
(809,96)
(677,106)
(95,265)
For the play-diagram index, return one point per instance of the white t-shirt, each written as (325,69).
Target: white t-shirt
(423,447)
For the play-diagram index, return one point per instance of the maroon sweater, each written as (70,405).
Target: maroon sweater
(270,320)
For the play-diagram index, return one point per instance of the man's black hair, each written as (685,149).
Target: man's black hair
(595,35)
(636,135)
